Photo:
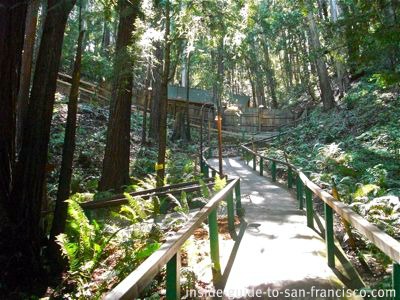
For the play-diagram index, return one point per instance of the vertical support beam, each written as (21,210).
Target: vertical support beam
(254,162)
(209,152)
(330,246)
(300,192)
(201,165)
(173,277)
(206,171)
(290,178)
(238,199)
(214,246)
(261,166)
(309,208)
(213,173)
(231,211)
(396,281)
(273,171)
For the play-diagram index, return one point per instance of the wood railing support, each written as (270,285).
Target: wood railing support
(231,211)
(290,178)
(238,199)
(261,166)
(329,239)
(254,162)
(299,185)
(173,277)
(309,208)
(396,281)
(214,246)
(273,171)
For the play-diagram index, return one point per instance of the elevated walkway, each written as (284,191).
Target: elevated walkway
(279,257)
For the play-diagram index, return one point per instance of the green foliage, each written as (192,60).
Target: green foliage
(84,241)
(220,183)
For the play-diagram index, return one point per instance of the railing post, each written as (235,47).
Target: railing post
(206,171)
(290,178)
(214,246)
(231,211)
(309,208)
(213,173)
(209,152)
(396,281)
(261,166)
(254,162)
(201,166)
(330,246)
(299,185)
(273,171)
(238,199)
(173,277)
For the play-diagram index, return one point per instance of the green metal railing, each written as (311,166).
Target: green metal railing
(169,255)
(304,186)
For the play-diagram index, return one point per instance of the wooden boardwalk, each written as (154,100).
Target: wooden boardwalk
(279,257)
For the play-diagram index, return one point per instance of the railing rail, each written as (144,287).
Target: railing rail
(174,189)
(304,185)
(168,254)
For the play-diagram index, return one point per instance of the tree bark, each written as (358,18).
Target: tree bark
(64,182)
(30,170)
(324,83)
(115,172)
(12,27)
(26,68)
(270,73)
(162,144)
(156,94)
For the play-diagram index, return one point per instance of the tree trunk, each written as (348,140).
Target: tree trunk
(324,83)
(115,172)
(162,143)
(341,74)
(30,170)
(187,85)
(12,27)
(156,93)
(64,182)
(26,68)
(270,73)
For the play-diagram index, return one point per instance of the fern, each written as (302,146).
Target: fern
(204,189)
(219,184)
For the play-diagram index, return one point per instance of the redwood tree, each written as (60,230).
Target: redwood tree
(12,24)
(116,159)
(64,182)
(162,144)
(24,206)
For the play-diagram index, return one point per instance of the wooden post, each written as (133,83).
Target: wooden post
(299,186)
(330,246)
(261,166)
(309,208)
(206,171)
(173,277)
(273,171)
(231,211)
(396,281)
(213,173)
(254,162)
(238,199)
(290,178)
(214,246)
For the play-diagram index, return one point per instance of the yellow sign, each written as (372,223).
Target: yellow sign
(159,166)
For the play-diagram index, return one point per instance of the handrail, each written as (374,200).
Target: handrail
(161,191)
(382,240)
(136,281)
